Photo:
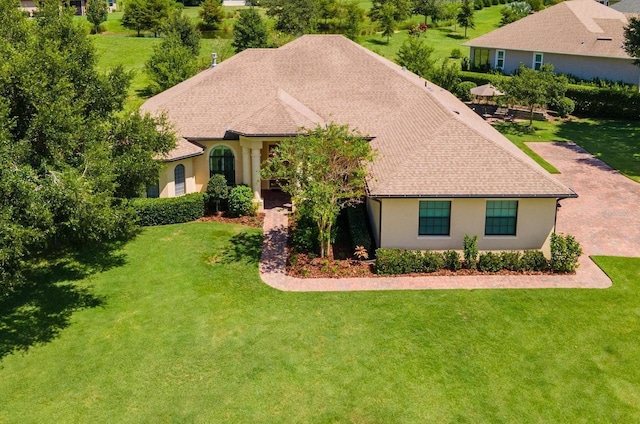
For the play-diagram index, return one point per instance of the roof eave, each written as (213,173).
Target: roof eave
(474,196)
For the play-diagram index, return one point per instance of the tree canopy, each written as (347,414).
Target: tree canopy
(324,171)
(68,155)
(465,16)
(532,88)
(295,17)
(249,31)
(632,39)
(211,14)
(97,11)
(415,55)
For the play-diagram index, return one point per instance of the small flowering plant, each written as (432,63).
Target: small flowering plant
(418,29)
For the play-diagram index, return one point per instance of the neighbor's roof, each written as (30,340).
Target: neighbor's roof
(628,7)
(576,27)
(428,142)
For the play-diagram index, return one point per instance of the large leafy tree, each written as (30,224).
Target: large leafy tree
(354,15)
(426,8)
(294,17)
(185,30)
(632,39)
(171,63)
(249,31)
(532,88)
(97,12)
(415,55)
(324,171)
(386,20)
(136,16)
(67,154)
(401,9)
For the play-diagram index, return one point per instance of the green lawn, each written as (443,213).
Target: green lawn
(180,329)
(615,142)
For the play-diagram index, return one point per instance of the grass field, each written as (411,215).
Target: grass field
(615,142)
(179,328)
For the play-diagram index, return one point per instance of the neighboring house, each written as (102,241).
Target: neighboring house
(628,7)
(579,37)
(441,171)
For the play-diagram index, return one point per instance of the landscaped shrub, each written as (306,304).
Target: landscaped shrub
(464,90)
(241,201)
(452,260)
(565,252)
(490,262)
(169,210)
(564,106)
(478,4)
(511,261)
(533,260)
(456,53)
(398,261)
(305,235)
(359,227)
(486,3)
(431,261)
(470,251)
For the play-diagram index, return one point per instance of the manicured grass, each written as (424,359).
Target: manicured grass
(180,329)
(442,39)
(615,142)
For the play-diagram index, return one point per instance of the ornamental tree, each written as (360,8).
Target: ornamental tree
(249,31)
(324,171)
(415,55)
(465,16)
(532,88)
(97,12)
(211,14)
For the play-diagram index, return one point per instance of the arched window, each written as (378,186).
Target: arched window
(178,176)
(222,161)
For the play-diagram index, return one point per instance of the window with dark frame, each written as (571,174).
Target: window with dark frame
(178,175)
(501,218)
(434,218)
(222,161)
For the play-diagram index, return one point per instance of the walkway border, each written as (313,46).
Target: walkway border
(273,272)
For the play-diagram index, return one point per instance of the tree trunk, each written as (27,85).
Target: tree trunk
(328,248)
(531,118)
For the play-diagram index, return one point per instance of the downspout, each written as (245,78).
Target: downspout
(379,221)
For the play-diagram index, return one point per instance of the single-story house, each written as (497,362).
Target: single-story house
(80,6)
(579,37)
(441,171)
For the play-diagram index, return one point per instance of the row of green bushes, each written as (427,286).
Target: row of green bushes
(565,251)
(592,102)
(169,210)
(174,210)
(359,227)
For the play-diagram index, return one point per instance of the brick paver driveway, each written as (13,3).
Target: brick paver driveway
(604,218)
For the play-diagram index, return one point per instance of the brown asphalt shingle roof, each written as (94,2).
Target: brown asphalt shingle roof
(428,142)
(575,27)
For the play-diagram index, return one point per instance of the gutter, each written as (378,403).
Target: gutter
(474,196)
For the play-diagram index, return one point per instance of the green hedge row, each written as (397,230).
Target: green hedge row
(592,102)
(565,252)
(359,227)
(169,210)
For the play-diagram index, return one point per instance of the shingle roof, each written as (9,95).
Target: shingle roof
(428,142)
(627,6)
(576,27)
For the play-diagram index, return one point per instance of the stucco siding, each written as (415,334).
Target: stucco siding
(535,223)
(167,184)
(584,67)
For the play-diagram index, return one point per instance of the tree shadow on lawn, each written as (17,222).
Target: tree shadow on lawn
(377,41)
(613,142)
(246,248)
(38,310)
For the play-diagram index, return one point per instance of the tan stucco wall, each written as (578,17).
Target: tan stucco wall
(167,183)
(399,226)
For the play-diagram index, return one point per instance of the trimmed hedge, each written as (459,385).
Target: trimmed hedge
(168,210)
(241,201)
(590,102)
(359,227)
(399,261)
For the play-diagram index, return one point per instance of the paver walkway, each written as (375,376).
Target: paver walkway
(604,219)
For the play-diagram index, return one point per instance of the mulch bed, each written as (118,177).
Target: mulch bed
(250,221)
(302,266)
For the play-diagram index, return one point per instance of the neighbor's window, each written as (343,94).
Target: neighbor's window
(178,175)
(501,218)
(434,218)
(499,59)
(537,61)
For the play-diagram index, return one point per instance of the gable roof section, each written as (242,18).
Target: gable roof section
(575,27)
(428,142)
